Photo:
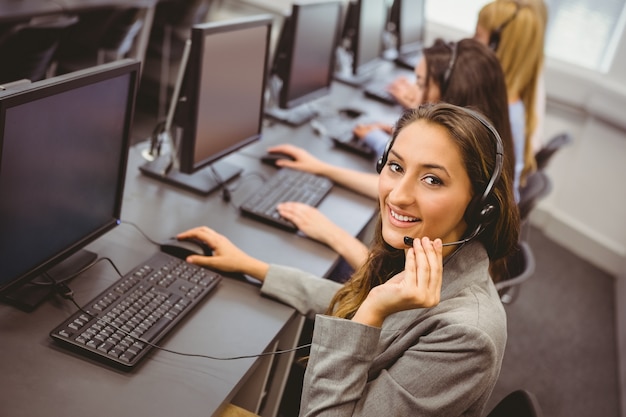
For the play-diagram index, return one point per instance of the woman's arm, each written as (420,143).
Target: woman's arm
(317,226)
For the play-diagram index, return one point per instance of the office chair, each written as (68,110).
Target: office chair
(28,49)
(519,403)
(101,36)
(544,154)
(537,186)
(520,266)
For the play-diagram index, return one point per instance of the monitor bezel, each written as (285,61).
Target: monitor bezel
(60,84)
(193,70)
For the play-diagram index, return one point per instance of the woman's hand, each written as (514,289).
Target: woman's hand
(308,219)
(418,286)
(405,92)
(226,256)
(360,130)
(303,160)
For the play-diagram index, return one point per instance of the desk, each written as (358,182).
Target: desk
(40,378)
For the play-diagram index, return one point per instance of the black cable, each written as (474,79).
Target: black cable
(148,238)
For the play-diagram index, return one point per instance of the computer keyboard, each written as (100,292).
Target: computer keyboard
(379,92)
(142,306)
(295,116)
(341,132)
(285,185)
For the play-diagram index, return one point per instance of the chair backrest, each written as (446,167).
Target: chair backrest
(27,49)
(121,32)
(519,403)
(544,154)
(519,267)
(538,186)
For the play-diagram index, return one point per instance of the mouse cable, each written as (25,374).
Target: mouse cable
(52,281)
(148,238)
(66,292)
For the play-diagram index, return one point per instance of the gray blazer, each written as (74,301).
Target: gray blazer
(440,361)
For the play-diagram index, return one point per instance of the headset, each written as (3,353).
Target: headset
(454,46)
(479,211)
(496,34)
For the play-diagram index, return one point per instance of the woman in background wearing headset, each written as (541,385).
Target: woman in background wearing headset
(515,30)
(419,327)
(465,73)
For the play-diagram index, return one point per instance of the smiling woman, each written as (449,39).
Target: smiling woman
(421,326)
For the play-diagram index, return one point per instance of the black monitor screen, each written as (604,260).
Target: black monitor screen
(223,89)
(305,54)
(408,17)
(63,147)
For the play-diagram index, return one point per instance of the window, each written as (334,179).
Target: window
(580,32)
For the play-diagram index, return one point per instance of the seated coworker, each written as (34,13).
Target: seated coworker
(474,79)
(460,73)
(419,328)
(515,30)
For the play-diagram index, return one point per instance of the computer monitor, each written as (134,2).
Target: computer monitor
(63,152)
(407,17)
(304,60)
(362,41)
(217,105)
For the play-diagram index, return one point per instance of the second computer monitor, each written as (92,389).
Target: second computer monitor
(303,63)
(362,37)
(220,105)
(408,18)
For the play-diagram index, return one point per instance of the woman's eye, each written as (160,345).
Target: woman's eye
(432,180)
(394,167)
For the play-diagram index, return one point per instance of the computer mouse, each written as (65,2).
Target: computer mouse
(270,158)
(183,248)
(350,112)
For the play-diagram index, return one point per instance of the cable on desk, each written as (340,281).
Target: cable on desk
(148,238)
(66,292)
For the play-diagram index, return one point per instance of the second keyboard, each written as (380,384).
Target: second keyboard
(285,185)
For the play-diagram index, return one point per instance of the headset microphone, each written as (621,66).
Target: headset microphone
(408,240)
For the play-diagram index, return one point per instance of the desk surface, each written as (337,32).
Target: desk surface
(40,378)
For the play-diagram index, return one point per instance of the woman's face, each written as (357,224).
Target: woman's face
(433,91)
(424,188)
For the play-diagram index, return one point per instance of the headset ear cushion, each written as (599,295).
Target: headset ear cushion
(494,40)
(471,212)
(380,164)
(476,215)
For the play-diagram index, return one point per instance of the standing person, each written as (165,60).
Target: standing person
(515,30)
(419,329)
(465,73)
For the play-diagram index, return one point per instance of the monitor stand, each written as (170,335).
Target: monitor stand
(202,182)
(30,295)
(295,116)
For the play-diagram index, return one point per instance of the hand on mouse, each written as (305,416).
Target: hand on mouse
(302,160)
(361,130)
(226,256)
